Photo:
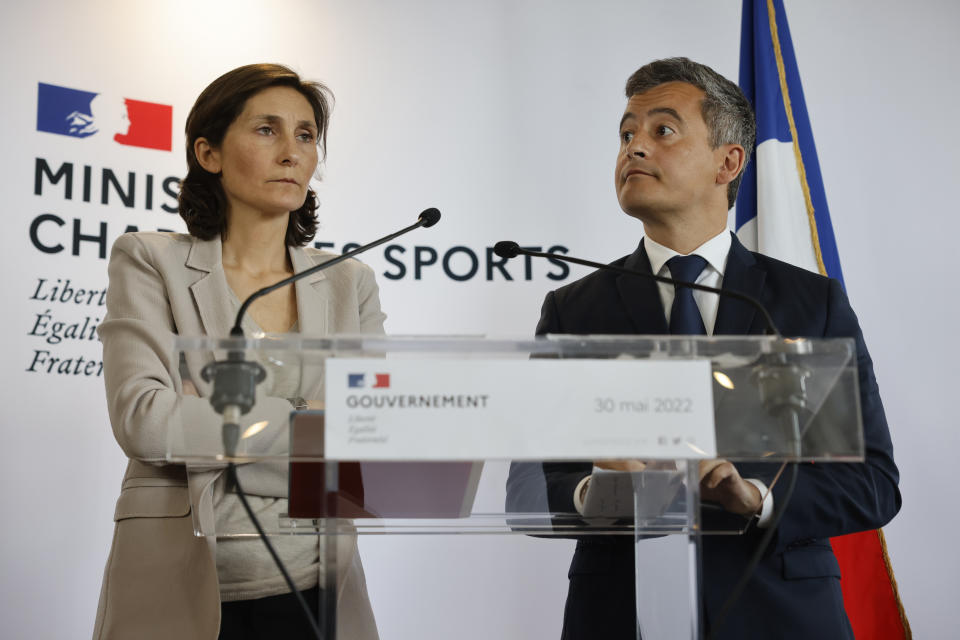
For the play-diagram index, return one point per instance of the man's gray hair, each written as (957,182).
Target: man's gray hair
(726,111)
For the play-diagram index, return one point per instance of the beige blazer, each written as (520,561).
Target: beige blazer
(160,580)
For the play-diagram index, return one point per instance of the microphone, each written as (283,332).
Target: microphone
(235,379)
(509,249)
(427,218)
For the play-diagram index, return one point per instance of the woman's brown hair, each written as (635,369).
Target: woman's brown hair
(202,201)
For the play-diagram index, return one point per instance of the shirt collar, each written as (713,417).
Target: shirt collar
(714,251)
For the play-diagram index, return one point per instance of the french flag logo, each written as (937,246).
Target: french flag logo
(358,381)
(82,114)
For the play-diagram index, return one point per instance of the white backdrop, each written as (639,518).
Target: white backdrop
(503,115)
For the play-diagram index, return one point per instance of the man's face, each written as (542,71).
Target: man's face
(666,168)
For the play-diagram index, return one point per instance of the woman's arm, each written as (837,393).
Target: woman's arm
(145,394)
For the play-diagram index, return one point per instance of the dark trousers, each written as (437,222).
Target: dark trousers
(273,617)
(601,600)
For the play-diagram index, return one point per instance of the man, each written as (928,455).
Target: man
(685,138)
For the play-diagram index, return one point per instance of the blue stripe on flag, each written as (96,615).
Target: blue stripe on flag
(760,81)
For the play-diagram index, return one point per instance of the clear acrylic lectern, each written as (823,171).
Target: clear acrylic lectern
(454,461)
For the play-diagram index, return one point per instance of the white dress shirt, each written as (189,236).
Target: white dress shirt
(714,251)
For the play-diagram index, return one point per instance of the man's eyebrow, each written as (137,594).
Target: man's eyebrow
(667,110)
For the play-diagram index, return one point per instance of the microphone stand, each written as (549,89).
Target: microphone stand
(235,379)
(234,393)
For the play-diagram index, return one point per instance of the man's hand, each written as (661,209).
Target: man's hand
(721,482)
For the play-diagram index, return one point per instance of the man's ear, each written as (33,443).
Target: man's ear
(207,156)
(732,162)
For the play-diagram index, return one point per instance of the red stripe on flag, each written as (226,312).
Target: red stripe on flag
(869,589)
(151,125)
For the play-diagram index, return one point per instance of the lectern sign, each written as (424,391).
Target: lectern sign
(429,409)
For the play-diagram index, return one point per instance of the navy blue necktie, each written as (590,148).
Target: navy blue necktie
(685,316)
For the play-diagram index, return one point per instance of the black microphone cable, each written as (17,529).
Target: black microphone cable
(232,479)
(510,249)
(754,560)
(427,218)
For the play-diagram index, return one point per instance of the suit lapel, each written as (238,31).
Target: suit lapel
(211,293)
(312,295)
(640,296)
(211,296)
(743,275)
(313,300)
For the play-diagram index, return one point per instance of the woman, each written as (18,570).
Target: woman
(254,139)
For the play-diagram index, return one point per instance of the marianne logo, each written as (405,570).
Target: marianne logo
(82,114)
(358,381)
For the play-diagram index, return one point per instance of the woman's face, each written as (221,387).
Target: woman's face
(268,154)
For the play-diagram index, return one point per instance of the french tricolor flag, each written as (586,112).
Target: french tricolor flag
(781,208)
(782,212)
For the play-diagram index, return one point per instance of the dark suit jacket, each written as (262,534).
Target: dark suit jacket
(795,591)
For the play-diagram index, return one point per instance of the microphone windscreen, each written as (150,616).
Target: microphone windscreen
(507,249)
(430,216)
